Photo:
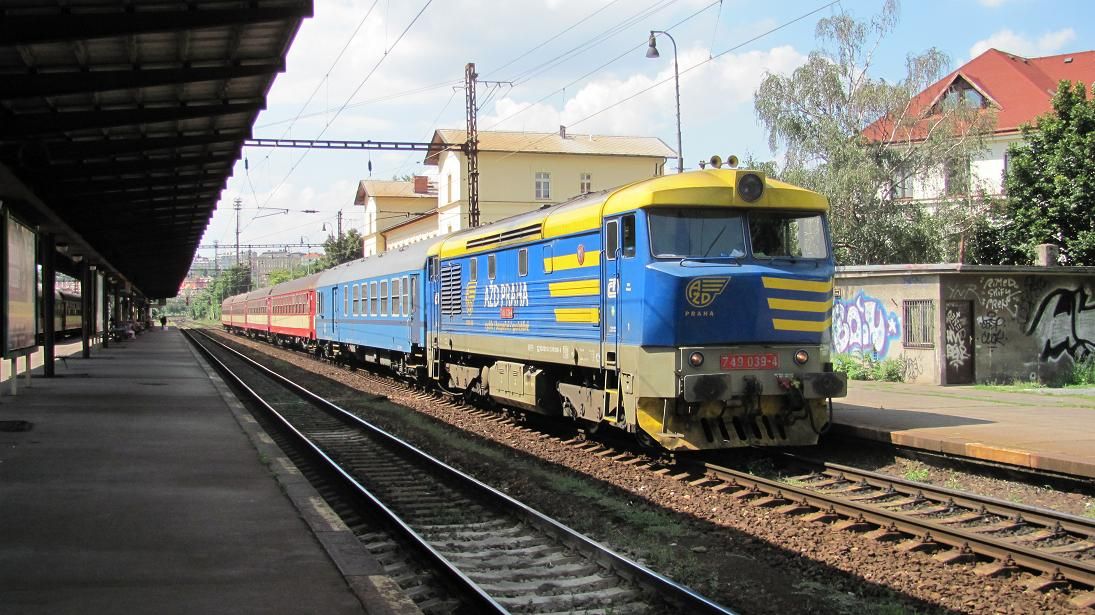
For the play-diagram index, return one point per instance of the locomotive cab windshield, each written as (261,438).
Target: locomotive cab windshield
(710,232)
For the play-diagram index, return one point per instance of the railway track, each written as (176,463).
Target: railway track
(1002,537)
(501,555)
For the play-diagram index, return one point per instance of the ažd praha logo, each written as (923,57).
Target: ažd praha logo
(701,292)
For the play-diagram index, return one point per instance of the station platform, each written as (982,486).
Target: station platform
(137,488)
(1042,429)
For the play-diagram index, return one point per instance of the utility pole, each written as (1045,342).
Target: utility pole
(340,225)
(237,205)
(472,145)
(216,258)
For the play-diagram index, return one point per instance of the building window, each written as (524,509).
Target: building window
(585,183)
(919,323)
(901,188)
(543,186)
(956,176)
(522,262)
(492,266)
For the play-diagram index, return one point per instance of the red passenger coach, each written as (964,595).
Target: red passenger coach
(293,312)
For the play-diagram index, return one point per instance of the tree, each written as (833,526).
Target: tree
(1051,182)
(233,281)
(338,250)
(819,114)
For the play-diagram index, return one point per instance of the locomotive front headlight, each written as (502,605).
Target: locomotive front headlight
(750,187)
(695,359)
(801,357)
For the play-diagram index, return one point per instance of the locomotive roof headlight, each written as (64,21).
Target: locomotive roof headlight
(750,187)
(695,359)
(801,357)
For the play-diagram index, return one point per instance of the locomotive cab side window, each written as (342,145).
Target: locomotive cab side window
(473,269)
(612,239)
(522,262)
(492,266)
(627,231)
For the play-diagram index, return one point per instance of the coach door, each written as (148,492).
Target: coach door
(431,303)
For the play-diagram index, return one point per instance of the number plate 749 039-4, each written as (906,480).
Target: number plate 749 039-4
(760,360)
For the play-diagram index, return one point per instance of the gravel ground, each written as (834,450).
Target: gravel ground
(751,559)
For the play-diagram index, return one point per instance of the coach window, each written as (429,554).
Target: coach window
(372,299)
(473,269)
(492,266)
(628,231)
(345,300)
(406,295)
(522,262)
(612,239)
(383,297)
(397,297)
(357,299)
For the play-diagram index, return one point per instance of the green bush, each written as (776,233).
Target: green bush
(1082,372)
(865,366)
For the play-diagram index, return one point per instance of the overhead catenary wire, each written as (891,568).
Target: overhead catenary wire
(682,72)
(357,89)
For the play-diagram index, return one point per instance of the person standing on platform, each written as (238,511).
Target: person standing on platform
(163,323)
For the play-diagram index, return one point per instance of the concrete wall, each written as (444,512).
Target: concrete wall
(868,317)
(1027,323)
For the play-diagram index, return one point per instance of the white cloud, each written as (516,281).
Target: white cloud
(707,89)
(1020,44)
(991,3)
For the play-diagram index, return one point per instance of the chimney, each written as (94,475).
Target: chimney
(1045,254)
(562,132)
(421,184)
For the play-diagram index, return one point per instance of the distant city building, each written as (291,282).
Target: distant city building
(1017,89)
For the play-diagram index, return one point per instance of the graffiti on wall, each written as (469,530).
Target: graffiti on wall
(957,347)
(992,329)
(1064,324)
(863,324)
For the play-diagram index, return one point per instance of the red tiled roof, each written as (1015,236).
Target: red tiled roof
(1020,88)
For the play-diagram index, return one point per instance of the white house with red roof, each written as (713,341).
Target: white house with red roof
(1018,89)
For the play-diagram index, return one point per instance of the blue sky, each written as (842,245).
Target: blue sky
(399,89)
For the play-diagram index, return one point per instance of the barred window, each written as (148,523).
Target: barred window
(919,323)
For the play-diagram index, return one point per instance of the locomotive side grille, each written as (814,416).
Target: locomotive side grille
(451,289)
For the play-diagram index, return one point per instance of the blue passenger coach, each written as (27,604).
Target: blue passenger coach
(370,309)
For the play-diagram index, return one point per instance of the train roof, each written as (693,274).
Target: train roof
(386,263)
(291,286)
(705,188)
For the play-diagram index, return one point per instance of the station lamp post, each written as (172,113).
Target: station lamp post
(652,52)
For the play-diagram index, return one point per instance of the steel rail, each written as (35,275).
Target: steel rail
(1073,570)
(666,589)
(1040,516)
(481,599)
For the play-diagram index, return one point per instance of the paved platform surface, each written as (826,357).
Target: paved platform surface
(1045,429)
(137,491)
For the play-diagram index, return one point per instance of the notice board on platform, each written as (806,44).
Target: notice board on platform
(19,324)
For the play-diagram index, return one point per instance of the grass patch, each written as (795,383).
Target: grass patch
(918,473)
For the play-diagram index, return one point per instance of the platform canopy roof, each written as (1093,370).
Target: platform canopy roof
(121,121)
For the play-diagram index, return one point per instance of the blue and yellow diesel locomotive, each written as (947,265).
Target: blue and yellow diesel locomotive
(691,310)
